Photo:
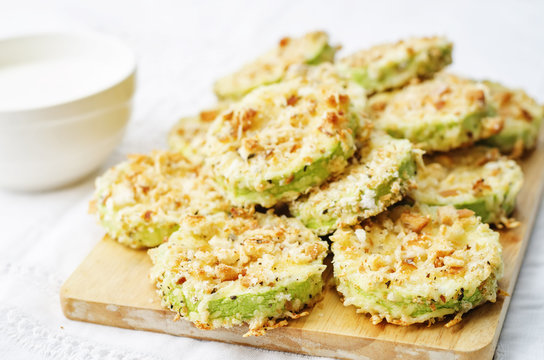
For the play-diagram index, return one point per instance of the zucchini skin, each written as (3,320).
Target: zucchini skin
(390,66)
(139,236)
(435,119)
(302,180)
(229,310)
(442,136)
(419,310)
(324,209)
(522,117)
(466,182)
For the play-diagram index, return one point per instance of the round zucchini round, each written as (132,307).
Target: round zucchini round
(220,271)
(313,48)
(477,178)
(440,114)
(522,117)
(393,65)
(282,139)
(417,264)
(139,202)
(379,176)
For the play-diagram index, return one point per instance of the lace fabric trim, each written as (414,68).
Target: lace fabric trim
(24,331)
(27,333)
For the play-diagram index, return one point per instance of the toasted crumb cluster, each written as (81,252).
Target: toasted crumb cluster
(141,201)
(328,73)
(281,140)
(522,117)
(188,136)
(377,103)
(312,48)
(440,114)
(220,271)
(416,264)
(378,177)
(393,65)
(477,178)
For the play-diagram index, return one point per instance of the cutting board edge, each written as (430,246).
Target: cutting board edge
(283,339)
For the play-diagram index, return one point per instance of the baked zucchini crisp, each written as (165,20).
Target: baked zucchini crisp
(280,140)
(221,271)
(140,202)
(417,264)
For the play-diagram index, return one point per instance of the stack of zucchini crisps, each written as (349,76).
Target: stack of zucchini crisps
(398,169)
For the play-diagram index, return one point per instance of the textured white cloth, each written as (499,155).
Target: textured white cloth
(181,47)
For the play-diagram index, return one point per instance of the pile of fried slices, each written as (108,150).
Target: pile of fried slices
(404,169)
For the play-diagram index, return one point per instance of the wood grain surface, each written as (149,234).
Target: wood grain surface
(112,287)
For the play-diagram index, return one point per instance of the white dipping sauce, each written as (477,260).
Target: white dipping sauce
(65,101)
(56,74)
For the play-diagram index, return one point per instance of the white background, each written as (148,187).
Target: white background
(181,48)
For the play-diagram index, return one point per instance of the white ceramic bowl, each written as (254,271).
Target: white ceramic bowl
(64,102)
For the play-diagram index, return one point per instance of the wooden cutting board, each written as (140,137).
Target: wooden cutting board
(111,287)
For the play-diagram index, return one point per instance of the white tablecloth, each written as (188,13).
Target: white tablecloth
(181,48)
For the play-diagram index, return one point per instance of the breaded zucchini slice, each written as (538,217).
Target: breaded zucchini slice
(393,65)
(312,48)
(440,114)
(476,178)
(378,177)
(522,117)
(281,140)
(416,264)
(220,271)
(139,202)
(188,136)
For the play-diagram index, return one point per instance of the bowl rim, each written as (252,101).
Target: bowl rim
(125,80)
